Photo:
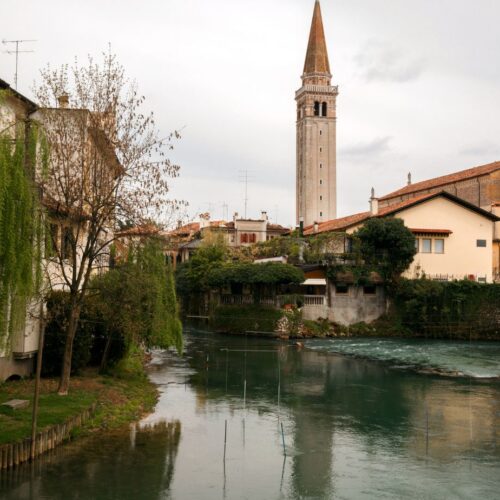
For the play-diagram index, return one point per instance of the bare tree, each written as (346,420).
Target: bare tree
(107,163)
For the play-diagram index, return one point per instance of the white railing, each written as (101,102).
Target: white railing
(314,300)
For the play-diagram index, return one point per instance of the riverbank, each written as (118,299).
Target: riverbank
(118,401)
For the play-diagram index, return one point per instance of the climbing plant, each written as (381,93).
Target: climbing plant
(21,223)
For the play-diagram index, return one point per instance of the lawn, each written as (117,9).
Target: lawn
(119,401)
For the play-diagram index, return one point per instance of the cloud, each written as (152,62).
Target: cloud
(366,150)
(380,61)
(482,149)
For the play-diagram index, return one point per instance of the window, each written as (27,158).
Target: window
(481,243)
(316,108)
(321,165)
(369,290)
(244,238)
(320,182)
(426,245)
(348,245)
(321,198)
(439,246)
(252,238)
(320,132)
(321,214)
(320,150)
(324,109)
(341,289)
(416,244)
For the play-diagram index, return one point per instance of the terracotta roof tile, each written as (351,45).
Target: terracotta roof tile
(317,54)
(430,231)
(346,222)
(338,224)
(445,179)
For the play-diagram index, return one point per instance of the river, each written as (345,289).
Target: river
(257,419)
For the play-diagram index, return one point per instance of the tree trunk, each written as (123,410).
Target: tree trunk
(105,354)
(74,316)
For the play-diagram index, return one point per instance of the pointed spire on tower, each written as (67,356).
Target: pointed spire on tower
(317,54)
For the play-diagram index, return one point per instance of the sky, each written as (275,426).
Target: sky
(419,87)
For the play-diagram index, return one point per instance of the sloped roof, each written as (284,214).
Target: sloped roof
(143,230)
(4,85)
(469,173)
(346,222)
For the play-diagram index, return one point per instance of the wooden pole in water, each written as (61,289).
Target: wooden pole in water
(283,438)
(36,397)
(227,366)
(279,385)
(225,439)
(426,429)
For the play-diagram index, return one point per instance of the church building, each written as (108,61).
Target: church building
(316,189)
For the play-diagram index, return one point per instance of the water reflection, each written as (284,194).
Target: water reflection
(352,429)
(101,467)
(353,424)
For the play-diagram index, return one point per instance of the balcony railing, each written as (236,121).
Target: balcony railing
(314,300)
(278,301)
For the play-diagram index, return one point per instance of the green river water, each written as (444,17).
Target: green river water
(312,422)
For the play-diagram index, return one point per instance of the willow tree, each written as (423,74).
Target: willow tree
(108,163)
(21,224)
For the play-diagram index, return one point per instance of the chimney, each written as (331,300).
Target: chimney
(63,101)
(373,203)
(316,227)
(236,216)
(263,215)
(204,220)
(409,178)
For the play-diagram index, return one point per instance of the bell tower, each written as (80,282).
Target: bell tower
(316,176)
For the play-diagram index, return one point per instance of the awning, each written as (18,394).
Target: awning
(314,281)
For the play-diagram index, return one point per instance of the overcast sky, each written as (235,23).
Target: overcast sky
(419,86)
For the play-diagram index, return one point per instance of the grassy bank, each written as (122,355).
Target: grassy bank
(119,401)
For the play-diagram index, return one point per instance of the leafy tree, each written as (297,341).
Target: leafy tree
(386,245)
(107,162)
(137,302)
(192,276)
(269,273)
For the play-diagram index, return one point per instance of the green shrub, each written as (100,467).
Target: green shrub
(457,309)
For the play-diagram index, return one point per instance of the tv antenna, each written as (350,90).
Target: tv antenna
(245,177)
(16,51)
(225,211)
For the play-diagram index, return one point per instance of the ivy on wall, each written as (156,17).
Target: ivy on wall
(21,223)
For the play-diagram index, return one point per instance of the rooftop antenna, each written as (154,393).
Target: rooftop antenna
(245,177)
(16,51)
(210,206)
(225,211)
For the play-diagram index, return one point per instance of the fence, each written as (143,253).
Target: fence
(278,301)
(14,454)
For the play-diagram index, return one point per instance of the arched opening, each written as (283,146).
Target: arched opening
(13,378)
(324,109)
(316,108)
